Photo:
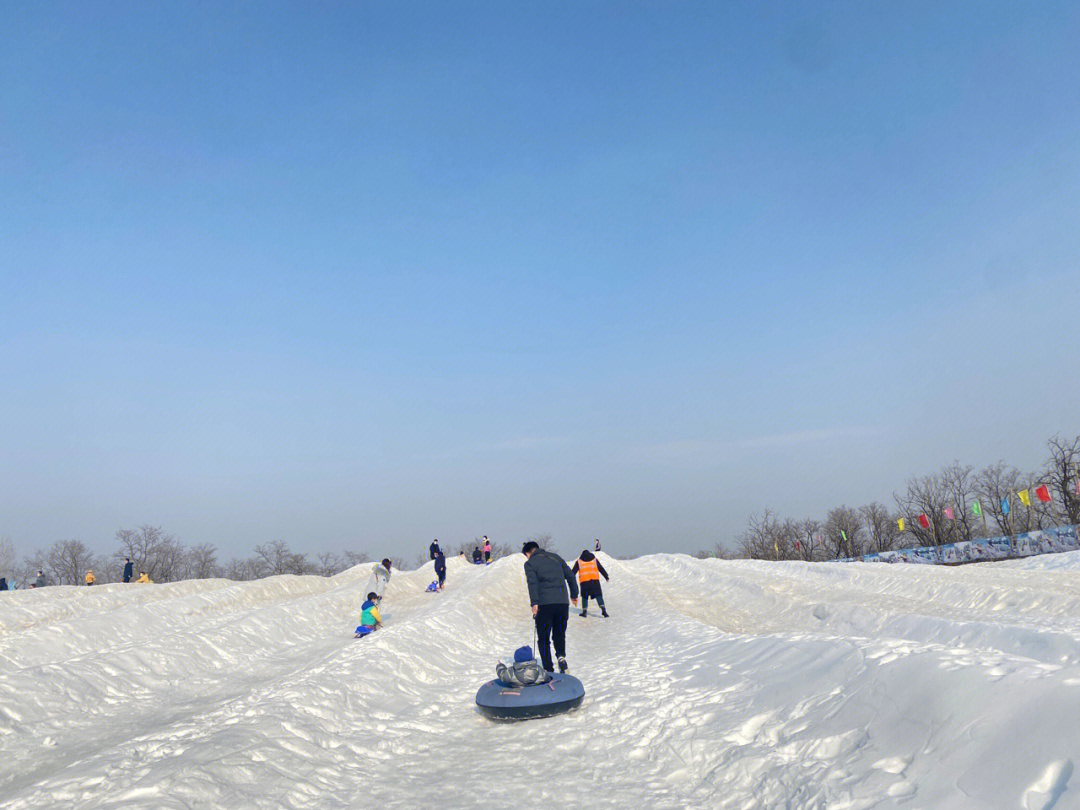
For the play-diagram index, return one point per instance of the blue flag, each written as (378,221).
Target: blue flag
(1004,506)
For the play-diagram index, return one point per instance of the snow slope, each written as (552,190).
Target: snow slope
(714,684)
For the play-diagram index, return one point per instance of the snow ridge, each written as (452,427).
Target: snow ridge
(714,684)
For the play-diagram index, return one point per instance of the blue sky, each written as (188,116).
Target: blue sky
(363,274)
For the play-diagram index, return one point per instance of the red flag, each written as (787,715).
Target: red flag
(798,546)
(924,521)
(1043,493)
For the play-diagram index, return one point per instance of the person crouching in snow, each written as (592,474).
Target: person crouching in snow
(440,569)
(588,570)
(144,579)
(370,619)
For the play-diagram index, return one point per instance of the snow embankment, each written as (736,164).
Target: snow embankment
(713,684)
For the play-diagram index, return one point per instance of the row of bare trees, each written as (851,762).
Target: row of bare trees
(165,559)
(948,499)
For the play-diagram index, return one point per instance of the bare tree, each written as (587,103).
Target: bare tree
(202,562)
(7,558)
(843,531)
(881,527)
(1063,476)
(151,550)
(925,496)
(811,541)
(761,538)
(994,484)
(351,559)
(277,558)
(243,570)
(959,483)
(68,561)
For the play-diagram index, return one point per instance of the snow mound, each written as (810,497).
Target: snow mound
(714,684)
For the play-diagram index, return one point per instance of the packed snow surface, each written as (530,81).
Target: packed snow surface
(713,684)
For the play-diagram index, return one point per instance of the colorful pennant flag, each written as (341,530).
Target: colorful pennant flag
(924,521)
(776,547)
(844,535)
(1004,506)
(976,508)
(1078,486)
(1025,497)
(949,514)
(901,523)
(798,545)
(1043,493)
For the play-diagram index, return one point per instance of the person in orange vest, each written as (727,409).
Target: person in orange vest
(589,571)
(90,578)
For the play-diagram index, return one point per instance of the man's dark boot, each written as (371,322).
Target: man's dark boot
(583,613)
(562,665)
(603,612)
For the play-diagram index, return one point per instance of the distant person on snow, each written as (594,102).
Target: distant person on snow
(380,577)
(597,546)
(144,579)
(548,575)
(589,570)
(440,569)
(477,556)
(370,619)
(3,584)
(129,569)
(434,548)
(90,578)
(41,580)
(487,549)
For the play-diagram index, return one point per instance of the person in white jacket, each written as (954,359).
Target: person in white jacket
(380,577)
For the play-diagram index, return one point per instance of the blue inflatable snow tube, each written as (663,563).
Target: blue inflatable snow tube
(499,701)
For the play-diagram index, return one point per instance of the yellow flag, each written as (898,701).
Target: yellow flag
(900,523)
(1025,497)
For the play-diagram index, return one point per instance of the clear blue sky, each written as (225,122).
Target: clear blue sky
(363,274)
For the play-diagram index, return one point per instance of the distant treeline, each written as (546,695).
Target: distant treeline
(166,559)
(959,502)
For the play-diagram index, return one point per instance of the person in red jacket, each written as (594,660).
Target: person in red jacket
(589,570)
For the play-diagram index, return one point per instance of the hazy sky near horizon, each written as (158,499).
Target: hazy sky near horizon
(363,274)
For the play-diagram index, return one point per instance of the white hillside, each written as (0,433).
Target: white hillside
(714,684)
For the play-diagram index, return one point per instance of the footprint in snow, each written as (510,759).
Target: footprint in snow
(1043,794)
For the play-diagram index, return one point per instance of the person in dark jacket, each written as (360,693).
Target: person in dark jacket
(547,575)
(3,584)
(434,548)
(440,569)
(129,569)
(41,580)
(477,556)
(597,547)
(589,570)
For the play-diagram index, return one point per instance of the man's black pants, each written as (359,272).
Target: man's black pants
(551,626)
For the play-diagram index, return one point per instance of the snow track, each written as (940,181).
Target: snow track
(714,684)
